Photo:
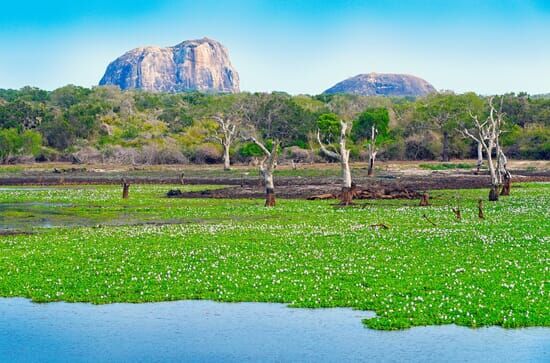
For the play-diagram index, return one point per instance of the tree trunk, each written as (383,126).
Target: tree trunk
(425,200)
(125,189)
(269,197)
(493,193)
(480,209)
(479,157)
(458,213)
(347,195)
(445,151)
(372,150)
(504,173)
(226,158)
(371,166)
(507,186)
(269,189)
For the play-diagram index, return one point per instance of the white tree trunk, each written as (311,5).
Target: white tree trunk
(267,172)
(225,135)
(268,180)
(493,194)
(491,164)
(487,135)
(343,157)
(347,195)
(226,157)
(346,173)
(267,165)
(479,156)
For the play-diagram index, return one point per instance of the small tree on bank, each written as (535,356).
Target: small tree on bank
(267,164)
(225,135)
(487,134)
(341,153)
(373,126)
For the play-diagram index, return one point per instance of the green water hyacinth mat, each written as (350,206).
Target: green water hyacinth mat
(468,272)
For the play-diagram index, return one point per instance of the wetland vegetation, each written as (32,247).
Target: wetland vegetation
(147,248)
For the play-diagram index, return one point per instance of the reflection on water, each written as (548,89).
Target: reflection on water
(210,331)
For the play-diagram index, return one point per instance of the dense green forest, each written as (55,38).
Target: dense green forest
(104,124)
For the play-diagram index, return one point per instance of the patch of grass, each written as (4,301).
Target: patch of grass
(446,166)
(11,168)
(305,253)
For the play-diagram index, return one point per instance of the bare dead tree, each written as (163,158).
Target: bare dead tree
(372,149)
(225,135)
(267,165)
(342,155)
(487,134)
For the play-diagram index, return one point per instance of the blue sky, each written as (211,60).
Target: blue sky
(301,46)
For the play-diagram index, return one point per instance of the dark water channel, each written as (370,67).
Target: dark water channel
(206,331)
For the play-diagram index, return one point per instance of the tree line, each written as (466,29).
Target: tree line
(104,124)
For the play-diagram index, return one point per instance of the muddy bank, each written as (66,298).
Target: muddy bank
(250,185)
(367,188)
(435,180)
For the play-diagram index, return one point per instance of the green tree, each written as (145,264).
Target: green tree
(372,127)
(69,95)
(362,126)
(14,143)
(444,112)
(329,126)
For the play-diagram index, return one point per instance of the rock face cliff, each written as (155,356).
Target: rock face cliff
(201,65)
(383,84)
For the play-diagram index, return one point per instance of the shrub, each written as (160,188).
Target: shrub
(120,155)
(155,154)
(171,155)
(88,155)
(48,154)
(534,143)
(58,133)
(298,154)
(14,144)
(249,150)
(395,150)
(422,147)
(207,153)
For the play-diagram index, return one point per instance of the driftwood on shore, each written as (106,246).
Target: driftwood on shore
(382,193)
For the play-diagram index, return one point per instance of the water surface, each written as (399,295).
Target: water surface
(206,331)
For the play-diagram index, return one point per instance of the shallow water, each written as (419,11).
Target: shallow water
(29,215)
(211,332)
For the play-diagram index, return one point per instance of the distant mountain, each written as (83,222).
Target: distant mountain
(201,65)
(383,84)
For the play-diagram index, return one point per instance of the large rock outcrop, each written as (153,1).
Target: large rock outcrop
(383,84)
(201,65)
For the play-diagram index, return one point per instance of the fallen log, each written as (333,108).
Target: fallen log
(322,197)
